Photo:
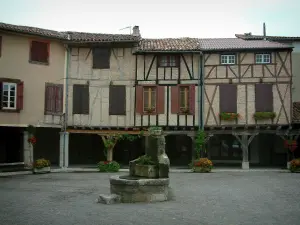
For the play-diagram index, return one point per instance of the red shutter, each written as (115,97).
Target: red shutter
(20,90)
(139,99)
(160,99)
(192,99)
(47,100)
(174,99)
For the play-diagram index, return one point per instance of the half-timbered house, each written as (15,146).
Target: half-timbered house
(186,84)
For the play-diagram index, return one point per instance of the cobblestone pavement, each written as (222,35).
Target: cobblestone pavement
(231,198)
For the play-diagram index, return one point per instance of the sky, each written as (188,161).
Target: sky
(158,18)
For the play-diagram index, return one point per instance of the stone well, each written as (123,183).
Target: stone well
(132,189)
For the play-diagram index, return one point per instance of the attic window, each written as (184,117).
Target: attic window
(39,51)
(168,61)
(227,59)
(262,58)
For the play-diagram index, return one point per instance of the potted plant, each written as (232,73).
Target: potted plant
(290,145)
(145,167)
(41,166)
(150,110)
(184,110)
(201,164)
(108,166)
(295,166)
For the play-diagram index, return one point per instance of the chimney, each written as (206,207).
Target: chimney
(136,31)
(264,31)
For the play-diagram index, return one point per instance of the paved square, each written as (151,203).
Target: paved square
(226,198)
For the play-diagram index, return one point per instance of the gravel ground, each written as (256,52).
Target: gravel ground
(231,198)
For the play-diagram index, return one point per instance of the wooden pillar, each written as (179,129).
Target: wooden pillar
(245,141)
(192,136)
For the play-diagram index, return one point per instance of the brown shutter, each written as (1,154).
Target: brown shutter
(48,91)
(228,98)
(160,99)
(117,100)
(39,51)
(85,99)
(1,86)
(174,99)
(101,58)
(76,99)
(59,98)
(192,99)
(20,90)
(264,98)
(139,99)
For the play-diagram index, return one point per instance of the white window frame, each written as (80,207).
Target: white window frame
(265,58)
(168,61)
(15,96)
(227,59)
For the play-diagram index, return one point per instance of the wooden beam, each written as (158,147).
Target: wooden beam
(105,132)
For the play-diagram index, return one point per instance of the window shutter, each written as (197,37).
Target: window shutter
(264,98)
(85,99)
(174,99)
(47,99)
(117,100)
(228,98)
(59,98)
(20,90)
(160,99)
(101,58)
(1,86)
(76,99)
(192,99)
(139,99)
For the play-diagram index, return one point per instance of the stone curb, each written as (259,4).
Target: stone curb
(74,170)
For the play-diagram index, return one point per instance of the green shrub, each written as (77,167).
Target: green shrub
(145,160)
(108,166)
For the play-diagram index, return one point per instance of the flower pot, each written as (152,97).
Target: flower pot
(42,170)
(149,171)
(198,169)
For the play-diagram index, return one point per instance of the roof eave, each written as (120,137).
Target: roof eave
(33,34)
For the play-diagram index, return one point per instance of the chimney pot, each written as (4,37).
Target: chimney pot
(136,31)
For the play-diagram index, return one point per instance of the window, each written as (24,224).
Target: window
(39,51)
(117,100)
(9,95)
(81,99)
(101,58)
(168,61)
(227,59)
(149,97)
(53,99)
(264,98)
(263,58)
(228,98)
(184,98)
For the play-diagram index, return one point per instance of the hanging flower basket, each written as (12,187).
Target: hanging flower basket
(184,110)
(150,110)
(32,140)
(290,144)
(229,116)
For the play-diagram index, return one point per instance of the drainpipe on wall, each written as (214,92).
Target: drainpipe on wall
(66,100)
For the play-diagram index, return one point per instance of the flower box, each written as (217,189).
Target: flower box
(264,115)
(42,170)
(295,166)
(201,169)
(202,165)
(229,116)
(149,171)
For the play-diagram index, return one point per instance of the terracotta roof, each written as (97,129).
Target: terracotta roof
(271,38)
(296,112)
(169,44)
(82,37)
(32,30)
(208,44)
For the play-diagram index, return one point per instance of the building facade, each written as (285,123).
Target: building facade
(32,66)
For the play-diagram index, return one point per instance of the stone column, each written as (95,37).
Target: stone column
(28,149)
(244,143)
(64,149)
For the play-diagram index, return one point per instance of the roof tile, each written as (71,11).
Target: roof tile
(271,38)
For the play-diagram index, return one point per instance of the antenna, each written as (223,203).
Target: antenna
(129,27)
